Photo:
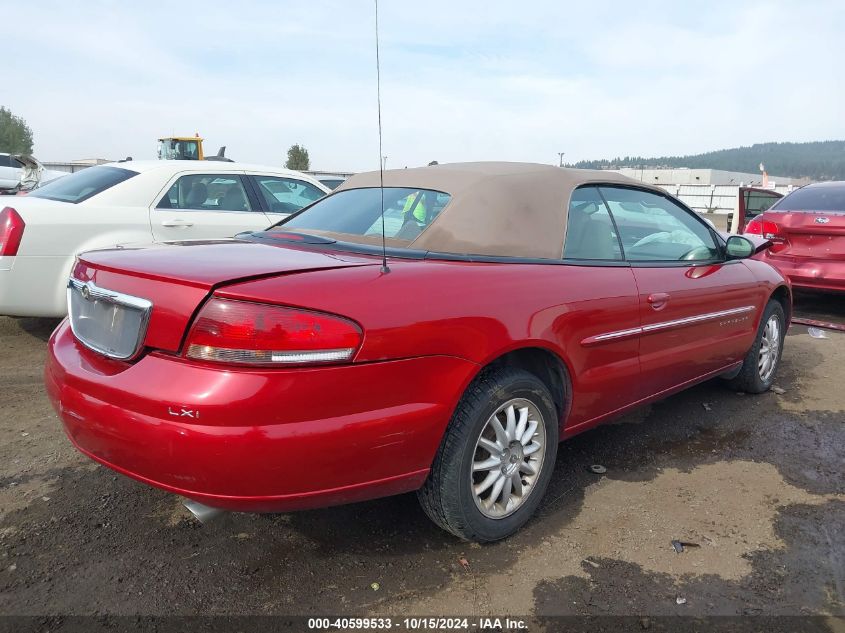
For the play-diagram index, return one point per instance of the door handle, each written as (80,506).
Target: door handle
(658,300)
(177,223)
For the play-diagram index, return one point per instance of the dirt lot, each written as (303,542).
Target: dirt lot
(757,482)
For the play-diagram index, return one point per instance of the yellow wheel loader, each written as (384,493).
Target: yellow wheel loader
(186,148)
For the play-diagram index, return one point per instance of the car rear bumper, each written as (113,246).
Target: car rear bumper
(813,274)
(33,286)
(268,440)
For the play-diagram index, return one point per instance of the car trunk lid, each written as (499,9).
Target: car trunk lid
(175,278)
(810,234)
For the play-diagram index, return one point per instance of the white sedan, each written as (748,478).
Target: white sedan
(132,202)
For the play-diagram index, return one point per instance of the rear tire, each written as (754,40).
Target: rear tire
(502,440)
(763,359)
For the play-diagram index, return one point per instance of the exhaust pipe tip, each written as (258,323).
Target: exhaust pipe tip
(202,513)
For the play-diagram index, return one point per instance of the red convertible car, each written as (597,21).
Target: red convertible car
(521,304)
(807,234)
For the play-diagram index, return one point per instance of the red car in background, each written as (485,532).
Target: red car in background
(807,234)
(520,304)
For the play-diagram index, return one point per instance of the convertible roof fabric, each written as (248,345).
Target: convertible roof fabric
(497,208)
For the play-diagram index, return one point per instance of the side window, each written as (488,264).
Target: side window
(206,192)
(653,228)
(589,230)
(5,161)
(286,195)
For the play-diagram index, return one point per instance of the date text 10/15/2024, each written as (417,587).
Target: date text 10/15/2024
(419,624)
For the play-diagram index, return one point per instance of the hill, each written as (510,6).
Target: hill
(819,160)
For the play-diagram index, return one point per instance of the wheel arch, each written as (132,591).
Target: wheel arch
(783,295)
(548,366)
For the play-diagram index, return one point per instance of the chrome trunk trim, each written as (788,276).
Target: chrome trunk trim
(89,290)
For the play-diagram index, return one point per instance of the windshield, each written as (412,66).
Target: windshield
(823,198)
(357,212)
(83,184)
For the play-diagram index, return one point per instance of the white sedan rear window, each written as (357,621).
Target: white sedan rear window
(83,184)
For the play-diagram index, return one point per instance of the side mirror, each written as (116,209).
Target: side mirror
(739,247)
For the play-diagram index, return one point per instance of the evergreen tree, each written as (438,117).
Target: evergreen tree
(298,158)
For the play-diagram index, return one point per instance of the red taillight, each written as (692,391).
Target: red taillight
(246,333)
(767,229)
(754,228)
(11,232)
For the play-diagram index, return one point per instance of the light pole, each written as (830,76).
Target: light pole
(561,154)
(384,162)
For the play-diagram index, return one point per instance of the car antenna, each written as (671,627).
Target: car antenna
(384,267)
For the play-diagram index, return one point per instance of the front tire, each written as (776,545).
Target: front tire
(496,457)
(763,359)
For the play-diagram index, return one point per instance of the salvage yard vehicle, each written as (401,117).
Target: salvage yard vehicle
(22,172)
(187,148)
(10,171)
(751,202)
(807,234)
(136,202)
(439,334)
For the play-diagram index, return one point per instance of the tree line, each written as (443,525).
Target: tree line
(818,160)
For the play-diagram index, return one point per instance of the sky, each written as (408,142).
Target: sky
(460,80)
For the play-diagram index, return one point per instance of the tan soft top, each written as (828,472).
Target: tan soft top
(497,208)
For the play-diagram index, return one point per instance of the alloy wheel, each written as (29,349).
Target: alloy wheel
(769,349)
(508,458)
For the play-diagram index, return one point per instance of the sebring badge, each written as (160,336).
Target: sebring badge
(86,292)
(822,220)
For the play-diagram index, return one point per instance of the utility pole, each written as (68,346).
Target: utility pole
(561,154)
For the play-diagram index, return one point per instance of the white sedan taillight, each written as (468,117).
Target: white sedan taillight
(11,232)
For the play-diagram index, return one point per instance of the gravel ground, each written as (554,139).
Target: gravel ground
(757,482)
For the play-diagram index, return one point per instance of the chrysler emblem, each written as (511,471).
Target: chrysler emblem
(822,220)
(86,292)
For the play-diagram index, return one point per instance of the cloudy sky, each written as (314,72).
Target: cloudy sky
(461,80)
